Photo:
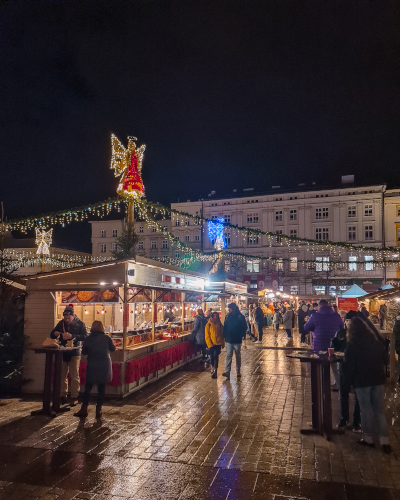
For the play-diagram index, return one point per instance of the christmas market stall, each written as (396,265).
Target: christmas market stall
(145,306)
(220,293)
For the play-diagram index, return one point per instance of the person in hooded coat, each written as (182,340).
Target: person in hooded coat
(215,341)
(302,314)
(324,323)
(97,346)
(234,333)
(199,334)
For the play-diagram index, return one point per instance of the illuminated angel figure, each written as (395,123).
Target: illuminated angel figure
(127,164)
(43,241)
(216,233)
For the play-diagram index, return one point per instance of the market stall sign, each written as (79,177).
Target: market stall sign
(90,297)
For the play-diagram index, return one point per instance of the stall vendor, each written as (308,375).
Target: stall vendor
(169,315)
(70,328)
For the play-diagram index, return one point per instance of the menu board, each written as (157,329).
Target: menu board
(347,304)
(90,297)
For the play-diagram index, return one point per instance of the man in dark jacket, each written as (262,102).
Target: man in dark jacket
(70,328)
(259,319)
(199,334)
(234,332)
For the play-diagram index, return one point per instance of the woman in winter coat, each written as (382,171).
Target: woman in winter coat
(275,320)
(97,346)
(287,321)
(215,341)
(302,314)
(364,367)
(199,334)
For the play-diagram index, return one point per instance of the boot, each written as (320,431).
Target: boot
(82,413)
(214,374)
(227,375)
(98,411)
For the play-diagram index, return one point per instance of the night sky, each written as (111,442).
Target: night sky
(225,94)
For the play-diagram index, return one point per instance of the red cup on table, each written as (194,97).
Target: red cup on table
(331,351)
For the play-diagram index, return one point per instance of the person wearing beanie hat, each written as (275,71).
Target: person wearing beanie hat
(70,328)
(234,332)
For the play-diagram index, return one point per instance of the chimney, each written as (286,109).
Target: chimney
(347,179)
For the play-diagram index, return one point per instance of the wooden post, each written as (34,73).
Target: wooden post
(183,311)
(153,315)
(223,304)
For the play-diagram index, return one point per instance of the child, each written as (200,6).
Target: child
(97,346)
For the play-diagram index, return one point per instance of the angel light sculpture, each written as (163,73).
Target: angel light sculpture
(43,241)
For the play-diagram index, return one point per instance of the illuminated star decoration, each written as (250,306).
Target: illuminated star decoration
(216,233)
(43,241)
(127,164)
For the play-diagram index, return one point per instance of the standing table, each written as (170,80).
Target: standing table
(321,402)
(49,395)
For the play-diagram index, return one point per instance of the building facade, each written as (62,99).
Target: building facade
(347,214)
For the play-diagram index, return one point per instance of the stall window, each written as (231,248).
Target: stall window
(351,233)
(103,233)
(368,210)
(103,248)
(351,211)
(165,244)
(140,246)
(140,229)
(368,233)
(153,245)
(293,263)
(369,266)
(353,263)
(115,233)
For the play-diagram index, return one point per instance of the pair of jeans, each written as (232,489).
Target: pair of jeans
(371,405)
(214,351)
(230,348)
(344,393)
(288,332)
(101,390)
(203,349)
(71,366)
(260,325)
(276,326)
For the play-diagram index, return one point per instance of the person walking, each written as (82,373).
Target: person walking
(234,331)
(396,331)
(70,328)
(339,343)
(97,346)
(302,314)
(287,322)
(364,365)
(246,313)
(215,341)
(364,310)
(324,323)
(259,321)
(199,334)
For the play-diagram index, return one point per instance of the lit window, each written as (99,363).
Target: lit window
(368,233)
(294,290)
(322,234)
(321,213)
(165,244)
(103,233)
(140,229)
(293,215)
(278,215)
(252,218)
(187,237)
(293,263)
(196,237)
(115,233)
(322,264)
(351,233)
(351,211)
(253,266)
(293,233)
(353,263)
(103,248)
(368,210)
(177,223)
(279,264)
(153,245)
(140,246)
(369,266)
(227,266)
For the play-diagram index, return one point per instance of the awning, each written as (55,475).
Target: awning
(354,292)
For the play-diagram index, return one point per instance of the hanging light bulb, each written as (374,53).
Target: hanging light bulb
(85,311)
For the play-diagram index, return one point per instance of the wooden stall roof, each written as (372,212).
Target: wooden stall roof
(391,293)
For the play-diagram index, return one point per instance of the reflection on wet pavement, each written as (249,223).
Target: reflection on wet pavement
(189,436)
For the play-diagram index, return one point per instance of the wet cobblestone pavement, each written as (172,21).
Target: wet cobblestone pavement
(188,436)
